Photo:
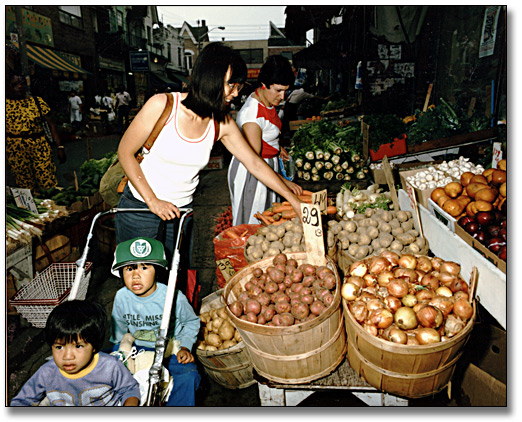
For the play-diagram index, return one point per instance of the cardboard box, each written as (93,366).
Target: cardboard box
(295,124)
(379,177)
(479,247)
(421,195)
(443,216)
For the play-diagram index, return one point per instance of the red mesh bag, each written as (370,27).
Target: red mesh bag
(230,244)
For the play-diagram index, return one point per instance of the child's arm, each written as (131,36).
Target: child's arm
(187,323)
(132,401)
(33,391)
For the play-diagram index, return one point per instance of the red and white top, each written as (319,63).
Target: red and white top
(267,119)
(173,164)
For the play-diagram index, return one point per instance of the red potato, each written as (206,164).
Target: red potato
(317,308)
(271,287)
(283,306)
(308,299)
(236,308)
(300,310)
(292,262)
(296,276)
(275,275)
(308,280)
(252,305)
(307,269)
(251,317)
(280,259)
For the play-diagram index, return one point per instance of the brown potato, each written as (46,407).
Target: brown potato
(478,178)
(436,194)
(465,178)
(483,206)
(503,189)
(474,187)
(452,207)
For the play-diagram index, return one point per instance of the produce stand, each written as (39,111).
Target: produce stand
(449,246)
(343,378)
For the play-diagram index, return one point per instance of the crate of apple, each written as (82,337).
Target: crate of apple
(489,228)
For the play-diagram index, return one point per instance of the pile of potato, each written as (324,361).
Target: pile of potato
(218,332)
(274,239)
(374,231)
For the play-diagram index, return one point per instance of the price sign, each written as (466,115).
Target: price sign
(389,179)
(319,198)
(497,154)
(226,268)
(24,199)
(313,234)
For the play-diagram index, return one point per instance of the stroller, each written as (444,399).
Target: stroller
(158,386)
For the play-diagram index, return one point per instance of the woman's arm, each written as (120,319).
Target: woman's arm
(239,147)
(131,142)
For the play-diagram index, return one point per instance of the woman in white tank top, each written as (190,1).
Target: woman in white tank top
(167,177)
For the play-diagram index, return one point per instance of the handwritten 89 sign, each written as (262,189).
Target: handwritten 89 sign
(313,233)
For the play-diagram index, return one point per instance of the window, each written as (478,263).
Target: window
(189,59)
(252,56)
(71,15)
(287,55)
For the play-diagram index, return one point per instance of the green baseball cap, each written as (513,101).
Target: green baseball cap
(139,249)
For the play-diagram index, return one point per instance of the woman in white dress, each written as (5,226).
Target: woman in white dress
(261,126)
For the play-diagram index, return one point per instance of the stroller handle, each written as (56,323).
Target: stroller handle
(82,261)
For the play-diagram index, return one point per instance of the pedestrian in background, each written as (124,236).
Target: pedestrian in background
(74,107)
(122,105)
(28,151)
(261,126)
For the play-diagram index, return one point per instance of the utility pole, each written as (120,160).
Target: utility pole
(22,48)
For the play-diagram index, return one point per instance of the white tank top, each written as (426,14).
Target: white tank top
(173,163)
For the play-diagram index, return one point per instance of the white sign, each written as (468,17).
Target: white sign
(313,234)
(24,199)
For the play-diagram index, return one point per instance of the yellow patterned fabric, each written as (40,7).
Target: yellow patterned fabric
(27,150)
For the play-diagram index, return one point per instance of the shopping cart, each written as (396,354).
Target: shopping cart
(156,386)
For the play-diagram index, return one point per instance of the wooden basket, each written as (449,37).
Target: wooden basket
(297,354)
(403,370)
(231,368)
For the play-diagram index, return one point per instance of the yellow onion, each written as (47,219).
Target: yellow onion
(430,316)
(370,279)
(374,304)
(381,318)
(458,285)
(446,278)
(461,295)
(349,291)
(384,278)
(378,264)
(450,267)
(444,303)
(359,311)
(398,287)
(358,281)
(424,295)
(408,261)
(371,329)
(409,300)
(392,303)
(407,273)
(436,262)
(453,325)
(405,318)
(462,308)
(424,264)
(426,335)
(390,256)
(396,335)
(358,269)
(431,281)
(444,291)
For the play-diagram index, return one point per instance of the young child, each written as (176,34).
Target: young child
(79,374)
(138,309)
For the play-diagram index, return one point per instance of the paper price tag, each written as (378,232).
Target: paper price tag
(226,268)
(497,154)
(411,195)
(313,234)
(24,199)
(319,198)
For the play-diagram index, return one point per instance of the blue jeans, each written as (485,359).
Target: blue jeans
(185,376)
(135,224)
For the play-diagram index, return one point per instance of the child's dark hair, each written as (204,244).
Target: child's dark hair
(207,81)
(276,70)
(77,319)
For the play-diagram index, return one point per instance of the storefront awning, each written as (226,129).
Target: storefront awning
(161,82)
(180,78)
(50,59)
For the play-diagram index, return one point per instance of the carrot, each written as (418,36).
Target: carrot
(331,209)
(262,218)
(307,193)
(305,198)
(268,213)
(289,214)
(281,221)
(231,234)
(281,208)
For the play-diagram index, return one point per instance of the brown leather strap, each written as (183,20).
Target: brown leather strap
(216,130)
(160,123)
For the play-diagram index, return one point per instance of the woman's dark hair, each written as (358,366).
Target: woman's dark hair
(206,91)
(276,70)
(75,319)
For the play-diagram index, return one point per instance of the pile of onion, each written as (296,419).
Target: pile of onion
(286,293)
(413,300)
